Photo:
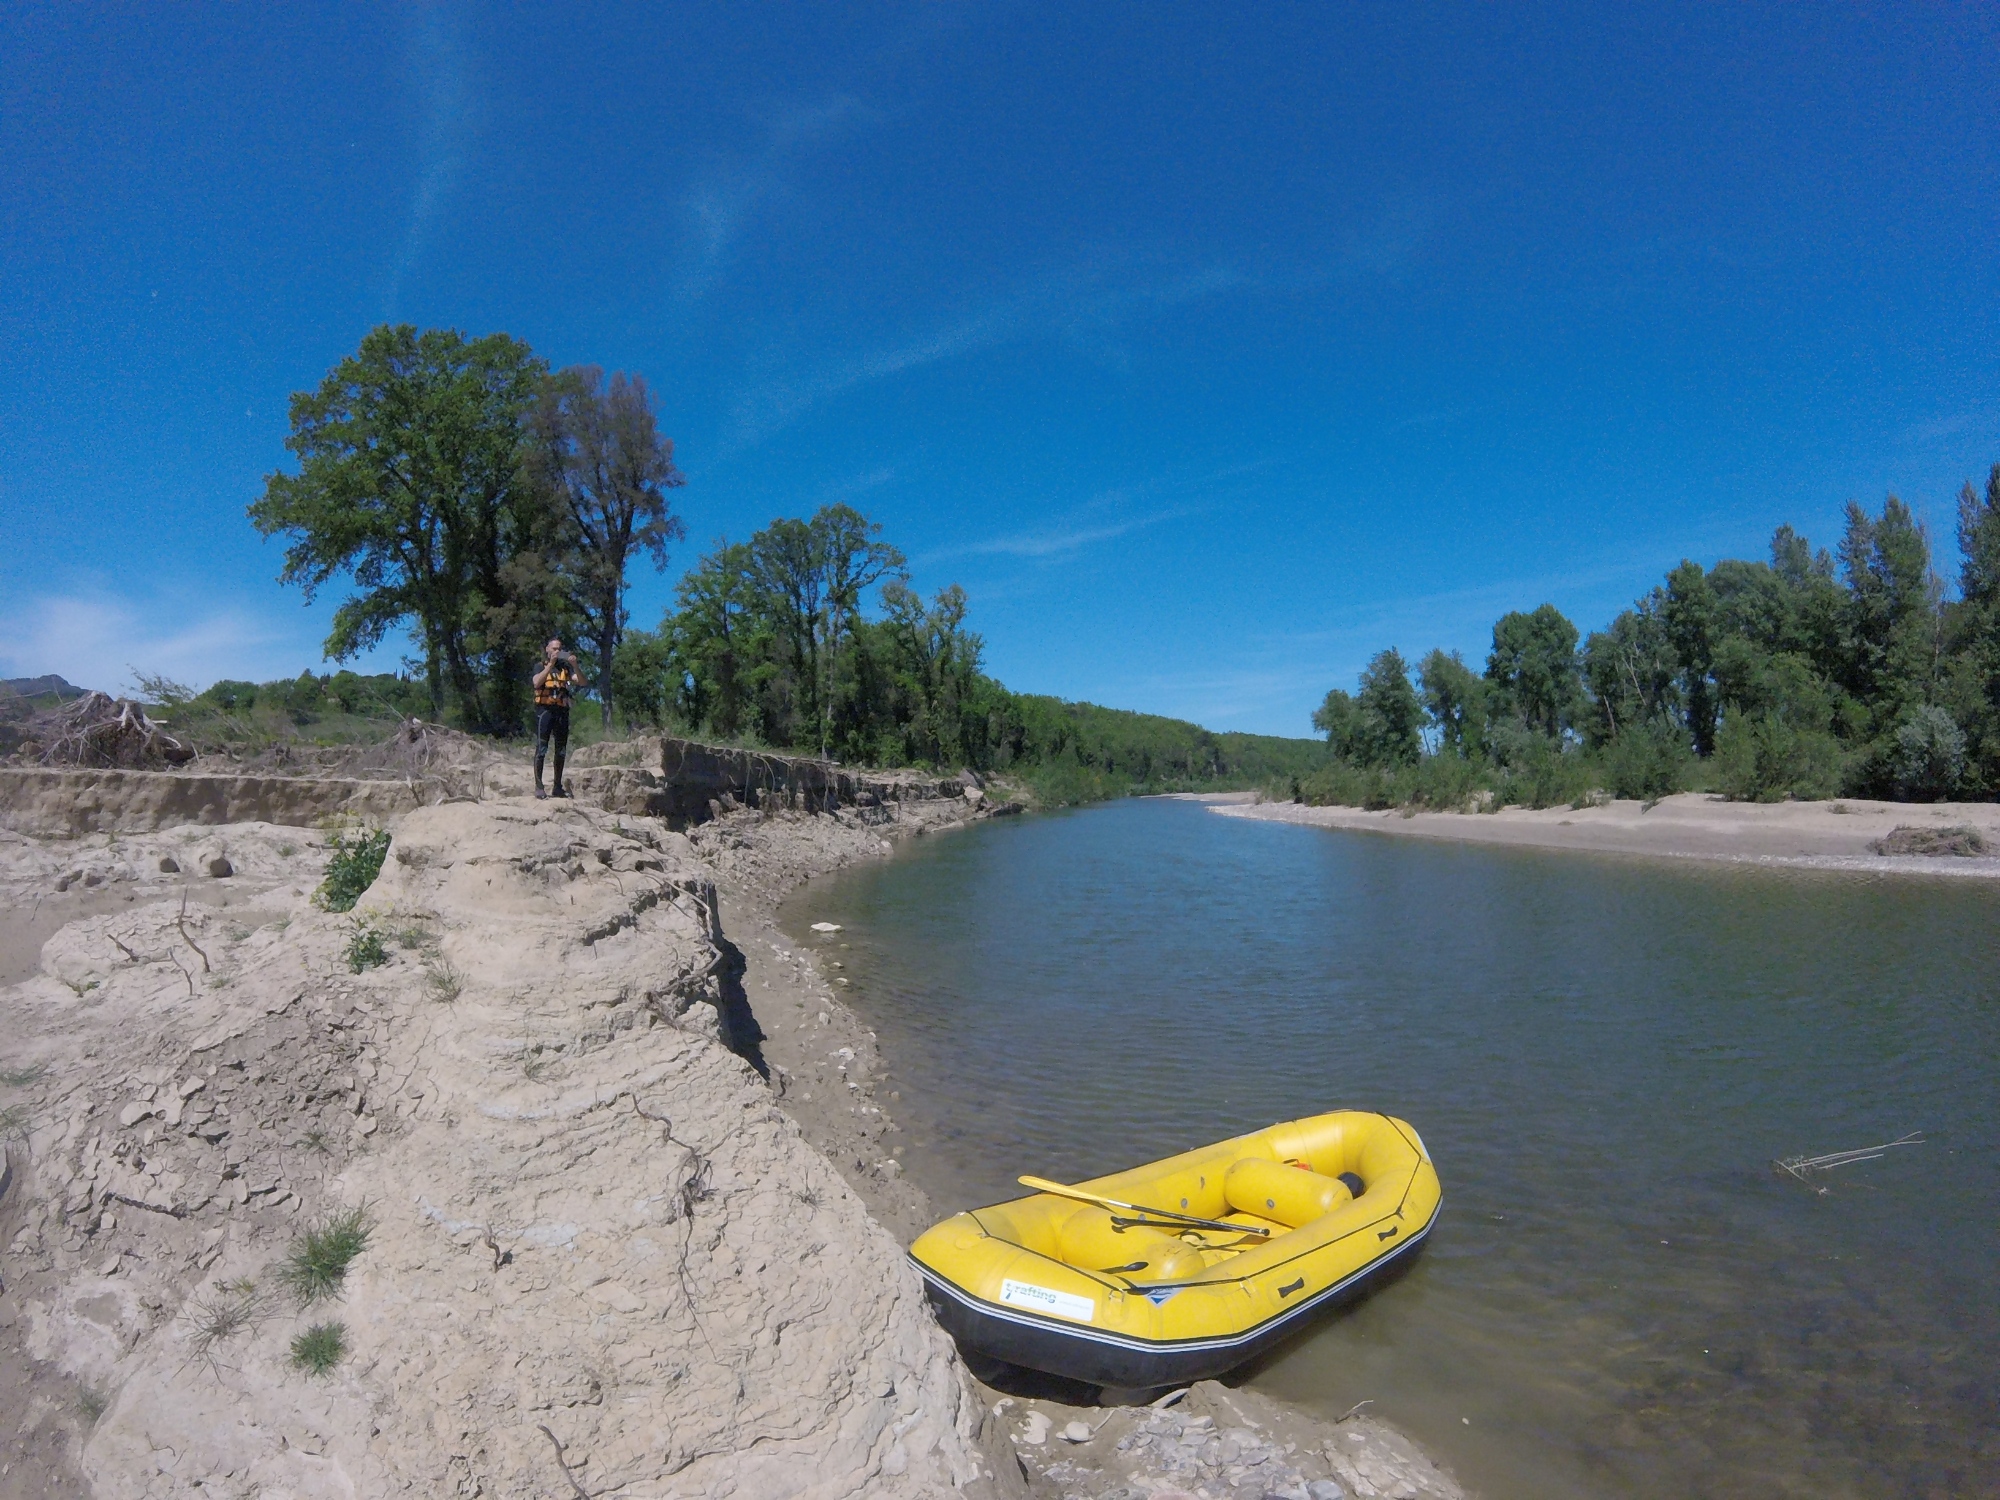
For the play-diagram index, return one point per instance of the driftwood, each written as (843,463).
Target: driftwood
(1801,1168)
(98,730)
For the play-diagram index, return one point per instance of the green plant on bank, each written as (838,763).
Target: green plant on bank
(355,860)
(316,1266)
(320,1348)
(365,948)
(16,1078)
(91,1403)
(219,1316)
(14,1123)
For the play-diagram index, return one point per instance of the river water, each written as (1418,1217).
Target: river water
(1604,1055)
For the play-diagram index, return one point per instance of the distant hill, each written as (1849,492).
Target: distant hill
(41,687)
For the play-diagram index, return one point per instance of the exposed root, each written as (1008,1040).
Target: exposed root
(97,730)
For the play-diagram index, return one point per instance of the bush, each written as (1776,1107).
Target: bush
(1761,758)
(356,859)
(1647,762)
(1929,756)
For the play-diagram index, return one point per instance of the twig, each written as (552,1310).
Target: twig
(563,1463)
(492,1243)
(1353,1410)
(181,922)
(123,949)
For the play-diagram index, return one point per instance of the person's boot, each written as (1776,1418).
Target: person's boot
(539,793)
(560,790)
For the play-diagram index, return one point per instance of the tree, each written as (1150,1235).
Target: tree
(1977,626)
(1454,700)
(1893,636)
(601,469)
(1339,720)
(1631,671)
(812,574)
(1391,719)
(409,482)
(938,661)
(1689,614)
(718,643)
(1533,666)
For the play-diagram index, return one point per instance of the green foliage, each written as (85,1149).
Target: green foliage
(354,860)
(1647,762)
(411,484)
(365,948)
(1763,680)
(320,1348)
(315,1268)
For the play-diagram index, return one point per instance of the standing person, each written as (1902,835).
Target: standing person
(553,686)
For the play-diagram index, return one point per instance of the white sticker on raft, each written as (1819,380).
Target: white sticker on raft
(1046,1300)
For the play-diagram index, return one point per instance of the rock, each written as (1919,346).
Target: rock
(192,1086)
(133,1113)
(1035,1431)
(1077,1432)
(826,927)
(169,865)
(219,868)
(1325,1489)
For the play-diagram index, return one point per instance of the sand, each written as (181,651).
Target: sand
(1787,835)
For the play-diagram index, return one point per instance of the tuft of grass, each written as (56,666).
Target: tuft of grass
(320,1348)
(286,851)
(413,937)
(356,859)
(442,982)
(365,950)
(316,1267)
(91,1403)
(13,1123)
(16,1078)
(219,1317)
(314,1140)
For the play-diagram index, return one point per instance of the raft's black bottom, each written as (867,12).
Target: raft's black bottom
(1097,1358)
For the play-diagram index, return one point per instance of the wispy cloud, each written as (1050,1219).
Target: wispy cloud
(1080,304)
(1059,541)
(727,197)
(444,125)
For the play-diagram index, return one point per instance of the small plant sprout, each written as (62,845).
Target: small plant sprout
(232,1307)
(365,949)
(320,1348)
(316,1268)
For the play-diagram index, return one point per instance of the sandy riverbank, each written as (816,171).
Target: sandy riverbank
(637,1215)
(1795,835)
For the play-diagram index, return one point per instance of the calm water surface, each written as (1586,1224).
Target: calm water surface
(1604,1056)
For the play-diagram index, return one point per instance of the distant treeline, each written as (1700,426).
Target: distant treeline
(1811,675)
(483,503)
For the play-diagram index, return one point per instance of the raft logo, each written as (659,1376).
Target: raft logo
(1044,1299)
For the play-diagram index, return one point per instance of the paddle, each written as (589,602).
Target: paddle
(1043,1185)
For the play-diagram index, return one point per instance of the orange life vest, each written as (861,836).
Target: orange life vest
(555,689)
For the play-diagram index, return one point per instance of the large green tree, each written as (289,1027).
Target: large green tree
(409,483)
(1533,665)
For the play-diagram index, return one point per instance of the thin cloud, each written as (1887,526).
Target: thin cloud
(442,132)
(1078,304)
(727,198)
(1055,542)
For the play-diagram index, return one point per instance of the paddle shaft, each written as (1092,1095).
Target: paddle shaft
(1043,1185)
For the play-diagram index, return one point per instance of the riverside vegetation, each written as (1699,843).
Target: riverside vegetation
(1808,676)
(483,503)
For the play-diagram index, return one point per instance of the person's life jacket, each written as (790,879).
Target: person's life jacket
(555,689)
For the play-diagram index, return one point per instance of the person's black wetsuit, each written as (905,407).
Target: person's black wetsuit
(552,720)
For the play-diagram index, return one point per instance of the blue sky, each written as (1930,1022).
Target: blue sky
(1211,348)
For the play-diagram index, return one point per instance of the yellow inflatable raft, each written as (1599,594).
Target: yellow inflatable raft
(1183,1268)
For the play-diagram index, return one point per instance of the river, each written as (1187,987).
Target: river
(1604,1055)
